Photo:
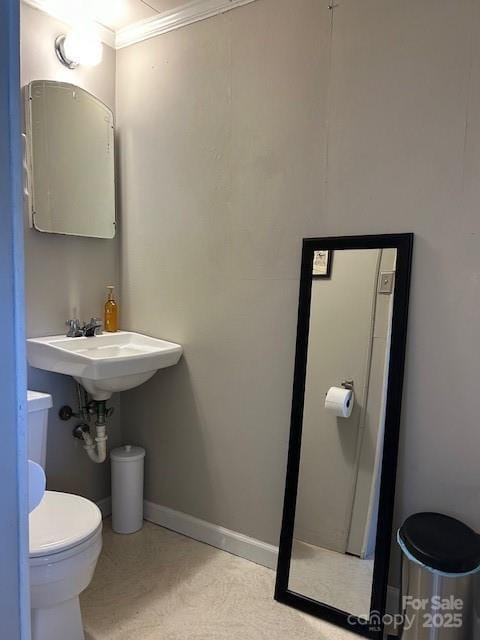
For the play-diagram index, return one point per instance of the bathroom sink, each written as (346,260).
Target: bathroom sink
(106,363)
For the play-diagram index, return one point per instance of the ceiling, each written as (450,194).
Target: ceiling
(124,22)
(122,13)
(113,14)
(117,14)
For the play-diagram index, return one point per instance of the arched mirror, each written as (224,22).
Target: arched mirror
(69,161)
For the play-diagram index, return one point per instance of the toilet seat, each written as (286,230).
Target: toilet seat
(62,522)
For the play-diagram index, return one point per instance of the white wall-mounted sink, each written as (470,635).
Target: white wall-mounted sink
(105,363)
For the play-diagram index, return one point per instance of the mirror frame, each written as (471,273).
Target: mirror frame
(403,243)
(28,160)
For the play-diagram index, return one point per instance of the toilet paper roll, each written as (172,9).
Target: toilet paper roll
(339,401)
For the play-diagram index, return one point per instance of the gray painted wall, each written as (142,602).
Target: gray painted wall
(404,155)
(66,276)
(222,144)
(225,166)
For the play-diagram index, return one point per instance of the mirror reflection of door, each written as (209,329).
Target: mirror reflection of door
(340,462)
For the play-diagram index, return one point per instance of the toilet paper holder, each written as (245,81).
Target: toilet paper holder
(346,384)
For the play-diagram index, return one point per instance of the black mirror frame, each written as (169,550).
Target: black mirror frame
(403,243)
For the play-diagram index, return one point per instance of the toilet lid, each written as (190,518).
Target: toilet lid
(61,521)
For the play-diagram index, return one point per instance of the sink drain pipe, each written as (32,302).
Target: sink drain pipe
(97,449)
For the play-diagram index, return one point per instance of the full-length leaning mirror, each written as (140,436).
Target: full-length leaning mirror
(69,160)
(337,521)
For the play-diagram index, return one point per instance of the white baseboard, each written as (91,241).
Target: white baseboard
(236,543)
(105,506)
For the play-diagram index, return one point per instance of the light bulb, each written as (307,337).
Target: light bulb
(81,46)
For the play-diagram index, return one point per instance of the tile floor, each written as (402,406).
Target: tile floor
(158,585)
(338,579)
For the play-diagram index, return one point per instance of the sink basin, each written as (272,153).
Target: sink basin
(106,363)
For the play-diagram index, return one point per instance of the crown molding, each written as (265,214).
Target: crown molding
(174,19)
(164,22)
(106,35)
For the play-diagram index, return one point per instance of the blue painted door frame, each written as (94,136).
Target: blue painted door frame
(14,581)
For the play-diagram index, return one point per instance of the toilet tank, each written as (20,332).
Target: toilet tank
(38,405)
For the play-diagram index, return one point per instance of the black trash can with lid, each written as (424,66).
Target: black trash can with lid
(440,572)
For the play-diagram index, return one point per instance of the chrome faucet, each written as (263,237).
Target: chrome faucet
(91,328)
(74,329)
(87,330)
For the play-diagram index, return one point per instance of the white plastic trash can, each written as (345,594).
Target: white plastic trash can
(127,488)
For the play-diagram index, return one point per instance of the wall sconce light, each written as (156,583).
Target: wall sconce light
(79,47)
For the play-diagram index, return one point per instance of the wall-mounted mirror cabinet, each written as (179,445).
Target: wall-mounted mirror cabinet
(69,161)
(337,521)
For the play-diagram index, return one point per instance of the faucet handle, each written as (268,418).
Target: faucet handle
(91,328)
(74,329)
(98,324)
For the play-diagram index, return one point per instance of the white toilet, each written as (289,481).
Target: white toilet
(65,542)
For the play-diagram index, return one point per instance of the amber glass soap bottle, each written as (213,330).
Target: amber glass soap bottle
(111,312)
